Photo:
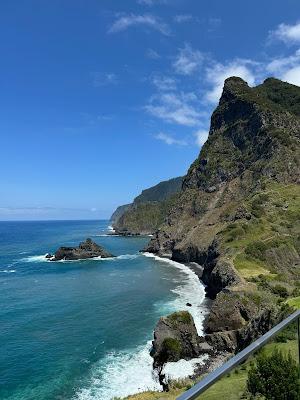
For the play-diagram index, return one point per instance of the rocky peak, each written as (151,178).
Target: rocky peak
(233,86)
(254,129)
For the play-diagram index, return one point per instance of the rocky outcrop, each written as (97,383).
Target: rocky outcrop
(175,338)
(85,250)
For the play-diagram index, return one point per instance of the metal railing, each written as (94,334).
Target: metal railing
(214,376)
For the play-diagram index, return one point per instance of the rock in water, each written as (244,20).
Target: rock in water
(175,337)
(85,250)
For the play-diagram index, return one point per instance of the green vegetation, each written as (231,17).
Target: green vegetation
(294,302)
(180,317)
(145,218)
(275,377)
(171,349)
(161,191)
(268,244)
(149,209)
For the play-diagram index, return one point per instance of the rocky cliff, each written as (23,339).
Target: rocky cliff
(148,210)
(239,211)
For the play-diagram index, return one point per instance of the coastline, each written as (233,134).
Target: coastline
(210,361)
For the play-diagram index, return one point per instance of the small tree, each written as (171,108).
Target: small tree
(276,377)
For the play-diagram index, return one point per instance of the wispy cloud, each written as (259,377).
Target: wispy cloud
(188,60)
(201,136)
(164,83)
(104,78)
(151,2)
(126,21)
(217,73)
(152,54)
(286,68)
(176,108)
(180,18)
(170,140)
(289,34)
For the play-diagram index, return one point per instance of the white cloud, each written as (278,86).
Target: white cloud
(217,74)
(201,137)
(182,18)
(176,108)
(152,54)
(286,68)
(104,78)
(292,76)
(289,34)
(188,60)
(168,139)
(164,83)
(151,21)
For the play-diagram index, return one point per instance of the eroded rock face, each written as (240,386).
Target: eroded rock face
(85,250)
(175,338)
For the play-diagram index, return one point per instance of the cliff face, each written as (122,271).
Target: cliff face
(238,213)
(148,210)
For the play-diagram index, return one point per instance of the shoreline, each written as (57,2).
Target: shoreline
(216,359)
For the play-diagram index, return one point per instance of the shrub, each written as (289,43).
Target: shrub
(280,291)
(274,377)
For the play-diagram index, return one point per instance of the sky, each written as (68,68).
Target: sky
(101,99)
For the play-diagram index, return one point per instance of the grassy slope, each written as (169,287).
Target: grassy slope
(265,247)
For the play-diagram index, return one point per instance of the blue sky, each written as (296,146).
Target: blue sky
(100,99)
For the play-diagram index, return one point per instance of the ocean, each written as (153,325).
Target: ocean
(82,330)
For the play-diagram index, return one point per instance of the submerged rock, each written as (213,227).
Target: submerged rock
(85,250)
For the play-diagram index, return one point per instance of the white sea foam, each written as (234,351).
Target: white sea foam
(8,271)
(110,229)
(128,256)
(183,368)
(39,258)
(120,374)
(189,290)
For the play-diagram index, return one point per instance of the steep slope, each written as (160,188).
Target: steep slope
(119,212)
(148,210)
(238,214)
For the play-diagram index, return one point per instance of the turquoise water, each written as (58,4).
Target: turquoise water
(82,329)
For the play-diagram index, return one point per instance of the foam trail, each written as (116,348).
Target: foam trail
(190,290)
(39,258)
(8,271)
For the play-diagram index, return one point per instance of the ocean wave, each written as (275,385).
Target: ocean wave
(121,374)
(8,271)
(190,290)
(127,256)
(37,258)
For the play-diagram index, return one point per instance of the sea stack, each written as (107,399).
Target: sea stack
(85,250)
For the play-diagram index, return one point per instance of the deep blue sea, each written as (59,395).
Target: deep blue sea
(82,330)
